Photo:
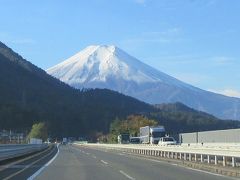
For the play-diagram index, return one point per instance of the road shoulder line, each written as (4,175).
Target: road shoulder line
(43,167)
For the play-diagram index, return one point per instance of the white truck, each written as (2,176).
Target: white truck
(35,141)
(151,134)
(64,141)
(124,138)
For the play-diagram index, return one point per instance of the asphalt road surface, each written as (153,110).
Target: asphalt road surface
(83,163)
(23,167)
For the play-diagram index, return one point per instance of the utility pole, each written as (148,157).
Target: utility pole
(10,136)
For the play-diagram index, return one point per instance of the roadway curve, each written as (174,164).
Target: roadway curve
(84,163)
(23,167)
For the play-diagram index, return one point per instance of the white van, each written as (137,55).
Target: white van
(167,141)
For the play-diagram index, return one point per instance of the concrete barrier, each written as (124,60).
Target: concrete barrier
(16,150)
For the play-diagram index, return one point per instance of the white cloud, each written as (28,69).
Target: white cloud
(192,78)
(142,2)
(23,41)
(221,60)
(164,37)
(8,38)
(227,92)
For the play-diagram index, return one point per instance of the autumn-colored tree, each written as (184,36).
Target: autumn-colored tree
(130,125)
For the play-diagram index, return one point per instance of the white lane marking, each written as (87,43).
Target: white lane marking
(125,174)
(94,156)
(188,168)
(205,172)
(121,154)
(153,160)
(104,162)
(87,153)
(42,168)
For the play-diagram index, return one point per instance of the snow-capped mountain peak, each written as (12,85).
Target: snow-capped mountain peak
(103,66)
(101,63)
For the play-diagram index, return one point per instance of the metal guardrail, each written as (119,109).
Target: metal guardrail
(15,150)
(216,155)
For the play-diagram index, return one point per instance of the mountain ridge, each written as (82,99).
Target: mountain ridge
(110,67)
(28,97)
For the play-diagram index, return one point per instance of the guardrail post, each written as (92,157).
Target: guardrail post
(208,159)
(185,156)
(196,158)
(216,160)
(201,158)
(233,162)
(224,161)
(190,157)
(180,156)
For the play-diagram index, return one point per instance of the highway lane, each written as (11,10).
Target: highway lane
(22,168)
(84,163)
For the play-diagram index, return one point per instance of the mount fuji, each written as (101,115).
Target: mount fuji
(110,67)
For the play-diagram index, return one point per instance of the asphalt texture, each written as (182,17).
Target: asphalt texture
(24,167)
(84,163)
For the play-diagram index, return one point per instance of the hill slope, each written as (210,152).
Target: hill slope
(179,118)
(112,68)
(28,95)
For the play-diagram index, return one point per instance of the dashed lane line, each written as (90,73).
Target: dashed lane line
(173,164)
(126,175)
(104,162)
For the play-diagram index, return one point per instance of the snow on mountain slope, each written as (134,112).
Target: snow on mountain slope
(112,68)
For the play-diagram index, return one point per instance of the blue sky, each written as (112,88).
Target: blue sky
(197,41)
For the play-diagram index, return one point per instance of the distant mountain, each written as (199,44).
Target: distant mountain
(28,95)
(177,118)
(112,68)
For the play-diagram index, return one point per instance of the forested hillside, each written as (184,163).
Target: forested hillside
(177,117)
(28,95)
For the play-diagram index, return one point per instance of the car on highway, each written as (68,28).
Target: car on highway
(135,140)
(167,141)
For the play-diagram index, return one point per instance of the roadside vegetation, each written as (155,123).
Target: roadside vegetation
(39,131)
(130,125)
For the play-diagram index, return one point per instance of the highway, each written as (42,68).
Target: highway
(84,163)
(23,167)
